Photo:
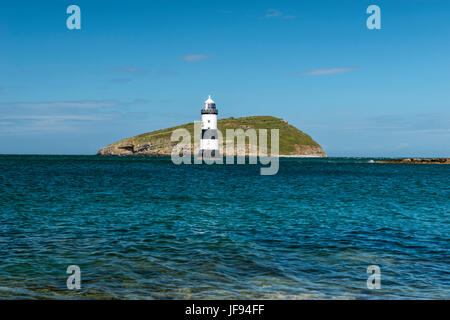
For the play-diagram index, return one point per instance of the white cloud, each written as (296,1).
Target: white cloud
(195,57)
(274,13)
(320,72)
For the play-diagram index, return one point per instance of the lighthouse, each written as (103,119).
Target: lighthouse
(209,144)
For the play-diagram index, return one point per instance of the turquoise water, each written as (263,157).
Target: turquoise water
(146,228)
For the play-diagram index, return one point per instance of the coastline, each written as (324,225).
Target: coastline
(302,156)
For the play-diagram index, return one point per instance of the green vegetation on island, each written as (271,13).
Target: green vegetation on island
(293,142)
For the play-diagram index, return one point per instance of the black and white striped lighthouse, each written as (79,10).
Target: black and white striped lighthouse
(209,144)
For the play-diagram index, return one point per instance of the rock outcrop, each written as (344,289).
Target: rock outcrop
(418,161)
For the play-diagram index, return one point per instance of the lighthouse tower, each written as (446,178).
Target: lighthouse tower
(209,145)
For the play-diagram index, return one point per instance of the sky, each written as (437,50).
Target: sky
(139,66)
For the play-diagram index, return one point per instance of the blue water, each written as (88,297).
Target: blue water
(146,228)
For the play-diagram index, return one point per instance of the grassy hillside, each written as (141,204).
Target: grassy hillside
(292,140)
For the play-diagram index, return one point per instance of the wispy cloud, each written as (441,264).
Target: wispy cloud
(321,72)
(25,117)
(195,57)
(274,13)
(62,117)
(36,124)
(132,70)
(111,103)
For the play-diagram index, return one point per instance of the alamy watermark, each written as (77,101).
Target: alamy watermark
(374,20)
(74,280)
(374,280)
(74,20)
(256,149)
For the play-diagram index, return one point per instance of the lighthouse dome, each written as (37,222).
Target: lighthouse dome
(209,101)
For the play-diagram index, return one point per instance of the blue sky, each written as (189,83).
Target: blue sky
(138,66)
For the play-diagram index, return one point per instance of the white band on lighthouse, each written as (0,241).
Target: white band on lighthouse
(209,143)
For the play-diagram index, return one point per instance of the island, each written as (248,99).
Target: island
(293,142)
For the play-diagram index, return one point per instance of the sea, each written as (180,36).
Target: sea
(145,228)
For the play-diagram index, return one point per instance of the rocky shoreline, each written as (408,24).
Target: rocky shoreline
(418,161)
(166,151)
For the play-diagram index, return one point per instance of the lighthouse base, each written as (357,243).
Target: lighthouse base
(209,154)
